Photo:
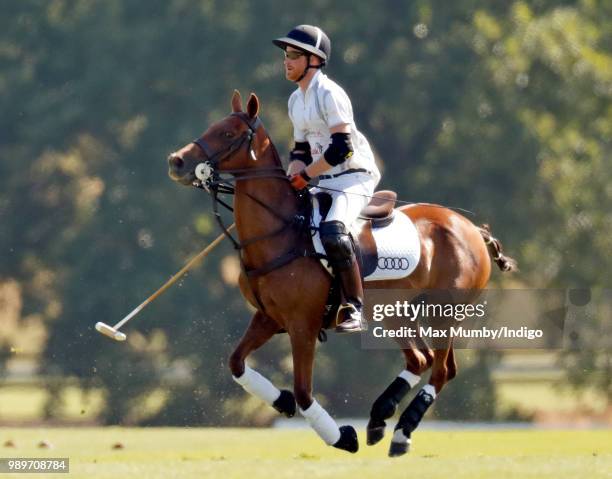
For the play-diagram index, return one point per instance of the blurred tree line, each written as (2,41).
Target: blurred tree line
(499,107)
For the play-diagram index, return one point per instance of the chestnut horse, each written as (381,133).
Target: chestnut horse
(289,291)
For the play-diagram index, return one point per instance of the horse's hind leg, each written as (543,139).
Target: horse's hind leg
(259,331)
(385,406)
(412,415)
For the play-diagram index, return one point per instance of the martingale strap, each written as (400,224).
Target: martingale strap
(296,221)
(270,266)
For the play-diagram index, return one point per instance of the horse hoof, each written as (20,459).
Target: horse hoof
(348,439)
(398,449)
(376,431)
(285,404)
(400,444)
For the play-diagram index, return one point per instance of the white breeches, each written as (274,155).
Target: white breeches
(353,194)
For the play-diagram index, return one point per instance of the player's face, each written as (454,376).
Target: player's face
(295,63)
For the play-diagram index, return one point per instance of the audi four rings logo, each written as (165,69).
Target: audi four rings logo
(393,263)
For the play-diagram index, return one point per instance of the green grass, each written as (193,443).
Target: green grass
(269,453)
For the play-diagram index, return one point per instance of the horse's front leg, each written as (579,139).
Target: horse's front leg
(260,330)
(303,342)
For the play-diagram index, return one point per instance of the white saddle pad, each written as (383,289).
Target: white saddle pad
(397,244)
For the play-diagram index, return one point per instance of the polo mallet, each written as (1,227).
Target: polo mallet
(113,331)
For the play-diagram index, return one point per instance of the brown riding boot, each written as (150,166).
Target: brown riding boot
(350,312)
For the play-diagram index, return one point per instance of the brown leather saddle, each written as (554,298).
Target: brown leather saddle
(380,207)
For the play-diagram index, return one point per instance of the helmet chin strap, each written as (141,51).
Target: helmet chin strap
(307,67)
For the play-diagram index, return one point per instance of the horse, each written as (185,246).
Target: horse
(289,289)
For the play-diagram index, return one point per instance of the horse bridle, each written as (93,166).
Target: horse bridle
(210,179)
(206,169)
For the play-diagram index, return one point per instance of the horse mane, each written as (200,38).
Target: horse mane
(275,155)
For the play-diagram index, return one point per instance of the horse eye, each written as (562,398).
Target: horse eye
(228,134)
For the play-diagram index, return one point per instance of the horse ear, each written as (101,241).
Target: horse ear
(253,105)
(236,102)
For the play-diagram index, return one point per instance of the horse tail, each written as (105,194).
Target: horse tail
(505,263)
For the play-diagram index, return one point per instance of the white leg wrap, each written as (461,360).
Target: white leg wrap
(257,385)
(429,389)
(320,420)
(400,438)
(410,378)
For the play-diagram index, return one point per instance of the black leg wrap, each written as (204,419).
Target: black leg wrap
(384,407)
(411,417)
(386,404)
(285,404)
(348,439)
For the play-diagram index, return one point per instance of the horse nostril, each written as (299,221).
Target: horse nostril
(176,161)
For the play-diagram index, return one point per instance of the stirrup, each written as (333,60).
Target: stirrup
(354,322)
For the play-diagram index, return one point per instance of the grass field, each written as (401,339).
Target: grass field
(270,453)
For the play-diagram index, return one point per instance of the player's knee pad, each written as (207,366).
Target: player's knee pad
(337,244)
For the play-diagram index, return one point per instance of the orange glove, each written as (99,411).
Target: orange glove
(300,180)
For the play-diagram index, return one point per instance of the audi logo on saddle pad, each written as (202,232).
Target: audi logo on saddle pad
(401,264)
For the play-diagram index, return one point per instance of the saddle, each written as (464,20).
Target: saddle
(380,207)
(379,211)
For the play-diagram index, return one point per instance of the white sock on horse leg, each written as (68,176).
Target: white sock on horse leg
(320,420)
(429,389)
(400,438)
(411,378)
(257,385)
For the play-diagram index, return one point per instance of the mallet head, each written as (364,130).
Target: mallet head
(111,332)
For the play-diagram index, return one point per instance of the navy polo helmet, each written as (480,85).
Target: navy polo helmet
(309,39)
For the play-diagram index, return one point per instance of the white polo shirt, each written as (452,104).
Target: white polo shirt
(325,105)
